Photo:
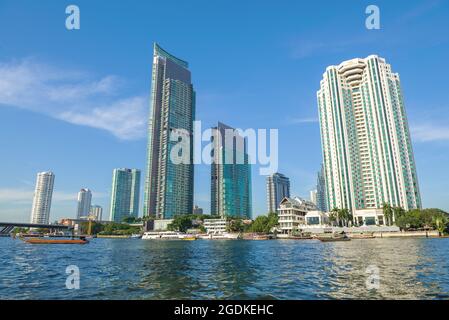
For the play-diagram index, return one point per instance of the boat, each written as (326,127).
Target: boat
(362,235)
(136,236)
(167,235)
(34,240)
(334,237)
(219,236)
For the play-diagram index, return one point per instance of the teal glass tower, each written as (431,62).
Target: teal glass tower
(125,194)
(168,184)
(230,174)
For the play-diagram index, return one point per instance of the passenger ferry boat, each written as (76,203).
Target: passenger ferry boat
(167,235)
(219,236)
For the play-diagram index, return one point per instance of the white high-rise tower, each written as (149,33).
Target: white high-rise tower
(42,198)
(367,151)
(84,201)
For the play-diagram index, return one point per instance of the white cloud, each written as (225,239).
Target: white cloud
(20,195)
(430,132)
(73,96)
(303,120)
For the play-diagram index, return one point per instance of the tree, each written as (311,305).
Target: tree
(181,223)
(333,216)
(388,213)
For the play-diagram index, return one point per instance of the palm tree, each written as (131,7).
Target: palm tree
(344,215)
(441,224)
(333,216)
(388,213)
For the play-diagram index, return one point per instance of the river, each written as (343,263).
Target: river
(204,269)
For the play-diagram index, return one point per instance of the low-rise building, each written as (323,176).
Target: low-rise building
(292,214)
(215,226)
(369,217)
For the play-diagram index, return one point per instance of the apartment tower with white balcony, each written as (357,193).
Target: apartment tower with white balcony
(367,151)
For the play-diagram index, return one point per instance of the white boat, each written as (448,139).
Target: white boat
(167,235)
(219,236)
(136,236)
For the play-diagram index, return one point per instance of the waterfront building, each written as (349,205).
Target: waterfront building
(313,196)
(125,194)
(230,173)
(215,226)
(321,202)
(367,151)
(292,214)
(96,212)
(43,193)
(84,201)
(278,187)
(197,210)
(169,184)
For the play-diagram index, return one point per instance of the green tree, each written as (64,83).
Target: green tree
(181,223)
(388,213)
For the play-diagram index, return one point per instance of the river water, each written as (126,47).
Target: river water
(204,269)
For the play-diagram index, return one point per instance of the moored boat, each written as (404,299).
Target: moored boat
(362,235)
(54,241)
(334,237)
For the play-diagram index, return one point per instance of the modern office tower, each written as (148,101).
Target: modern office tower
(42,197)
(84,201)
(367,150)
(278,187)
(125,194)
(313,196)
(96,212)
(321,191)
(169,182)
(230,173)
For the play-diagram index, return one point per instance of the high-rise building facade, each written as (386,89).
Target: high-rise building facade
(313,196)
(125,194)
(321,201)
(278,187)
(367,151)
(96,213)
(230,174)
(169,184)
(84,201)
(42,197)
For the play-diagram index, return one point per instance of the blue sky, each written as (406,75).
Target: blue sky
(76,102)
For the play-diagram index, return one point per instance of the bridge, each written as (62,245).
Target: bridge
(7,227)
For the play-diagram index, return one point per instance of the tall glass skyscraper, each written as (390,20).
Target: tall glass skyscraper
(84,201)
(125,194)
(321,201)
(169,185)
(230,174)
(43,193)
(278,187)
(367,150)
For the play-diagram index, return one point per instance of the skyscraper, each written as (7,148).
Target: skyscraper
(168,184)
(230,174)
(278,187)
(367,150)
(313,196)
(42,197)
(125,194)
(321,202)
(96,212)
(84,201)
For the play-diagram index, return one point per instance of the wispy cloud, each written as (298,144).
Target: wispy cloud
(302,120)
(73,96)
(430,132)
(21,195)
